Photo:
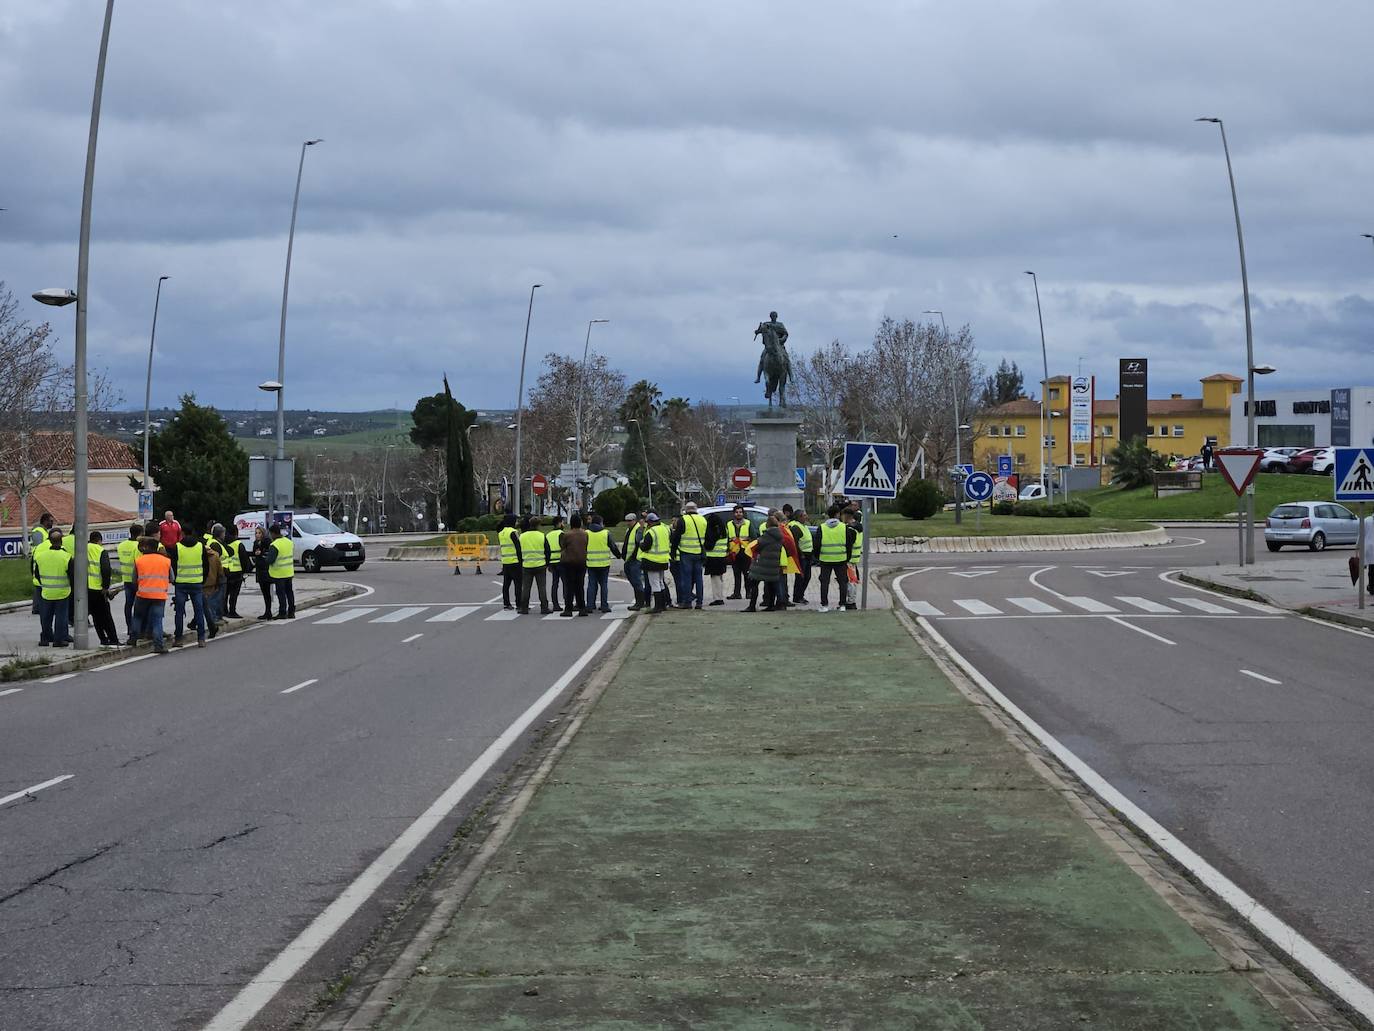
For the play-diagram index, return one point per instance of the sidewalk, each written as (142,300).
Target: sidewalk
(751,831)
(19,628)
(1316,584)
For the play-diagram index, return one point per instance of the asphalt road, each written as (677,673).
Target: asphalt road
(211,812)
(1243,731)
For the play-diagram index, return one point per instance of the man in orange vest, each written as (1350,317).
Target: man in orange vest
(152,577)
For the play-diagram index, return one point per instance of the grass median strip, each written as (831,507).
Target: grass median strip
(782,822)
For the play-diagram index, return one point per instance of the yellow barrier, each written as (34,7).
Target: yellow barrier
(463,547)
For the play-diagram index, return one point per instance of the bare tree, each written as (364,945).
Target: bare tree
(427,472)
(819,387)
(493,454)
(553,405)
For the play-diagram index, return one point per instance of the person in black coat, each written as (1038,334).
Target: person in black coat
(261,561)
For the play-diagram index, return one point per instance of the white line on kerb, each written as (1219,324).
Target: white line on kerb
(1260,676)
(58,679)
(37,787)
(1354,992)
(12,690)
(258,992)
(303,683)
(412,637)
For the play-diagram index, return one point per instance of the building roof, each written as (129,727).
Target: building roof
(1224,377)
(60,503)
(57,451)
(1162,406)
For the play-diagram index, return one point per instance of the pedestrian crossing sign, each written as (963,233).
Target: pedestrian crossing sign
(1353,474)
(870,470)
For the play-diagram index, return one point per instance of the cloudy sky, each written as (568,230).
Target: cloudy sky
(680,169)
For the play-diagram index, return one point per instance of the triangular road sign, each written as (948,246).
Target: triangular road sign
(1239,467)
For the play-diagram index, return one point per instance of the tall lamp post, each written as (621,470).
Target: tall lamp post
(381,517)
(1044,394)
(148,388)
(958,456)
(81,296)
(520,396)
(644,450)
(1249,558)
(581,390)
(281,342)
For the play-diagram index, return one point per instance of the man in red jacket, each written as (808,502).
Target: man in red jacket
(169,531)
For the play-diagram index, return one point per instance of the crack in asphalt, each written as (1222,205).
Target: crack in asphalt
(37,881)
(223,838)
(138,758)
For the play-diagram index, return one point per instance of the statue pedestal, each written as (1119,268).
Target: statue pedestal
(775,461)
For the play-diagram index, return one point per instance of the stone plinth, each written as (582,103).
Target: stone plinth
(775,461)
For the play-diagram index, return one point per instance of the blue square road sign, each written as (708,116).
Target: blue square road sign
(1353,474)
(870,470)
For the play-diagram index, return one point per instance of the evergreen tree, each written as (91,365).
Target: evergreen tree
(200,470)
(462,499)
(1006,384)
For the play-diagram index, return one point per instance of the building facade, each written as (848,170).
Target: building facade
(1176,425)
(1343,416)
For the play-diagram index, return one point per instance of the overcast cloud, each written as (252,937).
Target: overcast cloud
(681,170)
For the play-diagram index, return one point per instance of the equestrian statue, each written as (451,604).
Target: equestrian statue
(774,363)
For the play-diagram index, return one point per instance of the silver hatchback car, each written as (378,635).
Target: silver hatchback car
(1314,524)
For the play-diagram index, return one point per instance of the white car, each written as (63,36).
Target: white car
(1275,459)
(1324,464)
(1033,492)
(317,541)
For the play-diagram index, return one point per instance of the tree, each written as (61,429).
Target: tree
(639,412)
(430,418)
(553,410)
(919,499)
(201,471)
(1133,463)
(818,386)
(462,501)
(614,503)
(493,453)
(1006,384)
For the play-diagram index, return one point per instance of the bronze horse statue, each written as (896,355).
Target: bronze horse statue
(774,363)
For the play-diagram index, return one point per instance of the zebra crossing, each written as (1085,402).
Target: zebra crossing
(434,614)
(1067,605)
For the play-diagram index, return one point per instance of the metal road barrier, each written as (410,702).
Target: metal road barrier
(466,547)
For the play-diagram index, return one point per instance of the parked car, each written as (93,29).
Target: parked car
(1312,523)
(1302,461)
(1033,492)
(317,541)
(1324,463)
(1275,459)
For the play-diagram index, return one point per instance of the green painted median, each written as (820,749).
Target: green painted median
(796,821)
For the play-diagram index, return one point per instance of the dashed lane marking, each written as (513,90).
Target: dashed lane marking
(35,789)
(12,690)
(303,683)
(1261,676)
(412,637)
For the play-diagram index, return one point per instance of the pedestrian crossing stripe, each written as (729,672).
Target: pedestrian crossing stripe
(975,607)
(1356,482)
(438,614)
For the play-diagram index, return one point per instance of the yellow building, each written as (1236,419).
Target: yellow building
(1178,425)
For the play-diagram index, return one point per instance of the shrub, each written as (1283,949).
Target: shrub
(1004,508)
(614,503)
(488,522)
(919,499)
(1059,510)
(468,525)
(1134,462)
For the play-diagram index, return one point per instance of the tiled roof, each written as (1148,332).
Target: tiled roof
(56,452)
(61,504)
(1221,377)
(1162,406)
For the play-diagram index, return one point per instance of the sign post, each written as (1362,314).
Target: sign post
(979,487)
(870,471)
(1353,477)
(1238,468)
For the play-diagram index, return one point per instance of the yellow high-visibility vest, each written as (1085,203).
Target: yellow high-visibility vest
(506,538)
(532,549)
(128,555)
(833,542)
(283,552)
(53,564)
(190,564)
(555,539)
(692,541)
(598,549)
(93,553)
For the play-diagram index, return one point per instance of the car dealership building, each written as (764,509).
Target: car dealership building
(1340,417)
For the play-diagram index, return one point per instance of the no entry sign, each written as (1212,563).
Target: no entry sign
(538,483)
(742,479)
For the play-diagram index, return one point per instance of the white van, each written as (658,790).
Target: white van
(317,541)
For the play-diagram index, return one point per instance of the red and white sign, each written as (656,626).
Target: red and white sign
(742,479)
(538,483)
(1239,467)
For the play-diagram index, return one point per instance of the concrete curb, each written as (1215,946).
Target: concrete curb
(1348,619)
(102,657)
(1025,542)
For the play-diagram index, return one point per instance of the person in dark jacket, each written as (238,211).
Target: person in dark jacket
(260,559)
(766,567)
(98,599)
(574,567)
(716,540)
(234,578)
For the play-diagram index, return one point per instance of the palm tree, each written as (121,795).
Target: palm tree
(641,402)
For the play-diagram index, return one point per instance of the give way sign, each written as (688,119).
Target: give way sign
(1239,467)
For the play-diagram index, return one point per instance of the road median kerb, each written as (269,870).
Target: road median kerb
(1356,620)
(101,658)
(1023,542)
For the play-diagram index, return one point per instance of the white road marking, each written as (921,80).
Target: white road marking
(1145,604)
(976,572)
(1168,577)
(123,662)
(363,593)
(978,608)
(1141,630)
(58,679)
(923,608)
(552,615)
(344,615)
(1105,573)
(412,637)
(616,613)
(1087,604)
(1260,676)
(1033,605)
(259,992)
(36,788)
(453,615)
(303,683)
(399,614)
(1203,606)
(11,690)
(501,616)
(1330,973)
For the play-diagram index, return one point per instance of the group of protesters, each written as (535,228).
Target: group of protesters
(667,564)
(158,560)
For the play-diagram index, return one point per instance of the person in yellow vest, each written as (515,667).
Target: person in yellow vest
(634,571)
(835,547)
(555,538)
(508,537)
(152,579)
(188,574)
(215,583)
(739,532)
(853,517)
(282,572)
(801,533)
(600,549)
(98,575)
(234,563)
(38,538)
(717,555)
(127,552)
(690,542)
(655,554)
(534,567)
(52,567)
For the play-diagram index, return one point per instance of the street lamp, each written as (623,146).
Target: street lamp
(148,389)
(520,396)
(644,450)
(1249,557)
(385,455)
(581,390)
(958,457)
(281,340)
(61,298)
(1044,393)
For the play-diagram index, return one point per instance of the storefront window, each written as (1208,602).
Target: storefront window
(1277,435)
